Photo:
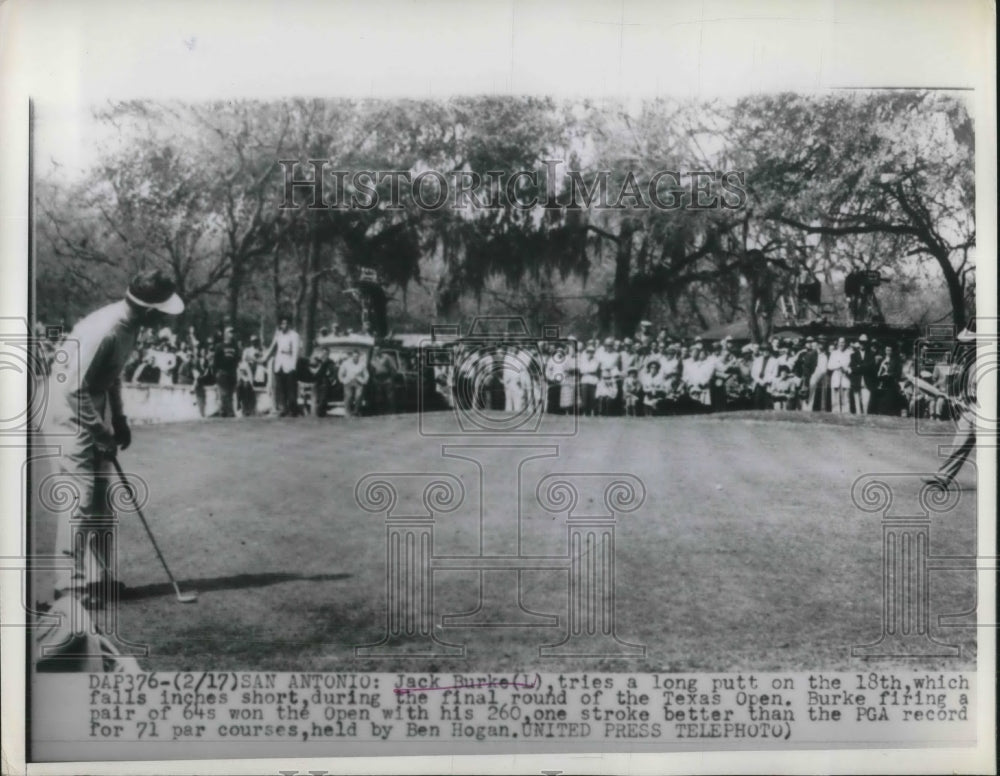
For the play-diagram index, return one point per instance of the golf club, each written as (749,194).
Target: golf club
(184,598)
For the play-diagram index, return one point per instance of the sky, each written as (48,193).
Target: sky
(71,56)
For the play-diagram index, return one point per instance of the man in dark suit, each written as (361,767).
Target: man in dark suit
(863,375)
(805,365)
(225,364)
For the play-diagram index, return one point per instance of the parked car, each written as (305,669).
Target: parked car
(341,347)
(415,379)
(404,352)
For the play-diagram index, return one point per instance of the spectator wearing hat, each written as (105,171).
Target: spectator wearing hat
(606,392)
(671,365)
(384,375)
(285,350)
(204,377)
(888,398)
(805,365)
(246,395)
(321,368)
(699,382)
(85,409)
(609,358)
(864,371)
(632,392)
(589,368)
(785,388)
(819,380)
(148,372)
(184,369)
(839,367)
(555,374)
(630,358)
(654,389)
(569,389)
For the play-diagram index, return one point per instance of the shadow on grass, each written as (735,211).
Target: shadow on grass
(897,422)
(235,582)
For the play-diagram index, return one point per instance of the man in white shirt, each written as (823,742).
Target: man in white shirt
(589,368)
(839,366)
(608,356)
(86,411)
(653,387)
(771,375)
(285,350)
(760,358)
(513,385)
(555,373)
(353,375)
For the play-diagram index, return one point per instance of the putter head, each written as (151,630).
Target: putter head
(187,598)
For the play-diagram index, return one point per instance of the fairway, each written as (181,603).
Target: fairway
(747,553)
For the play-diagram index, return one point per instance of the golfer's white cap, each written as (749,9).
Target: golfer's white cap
(154,290)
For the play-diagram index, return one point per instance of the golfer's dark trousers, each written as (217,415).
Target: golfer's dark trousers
(587,400)
(963,444)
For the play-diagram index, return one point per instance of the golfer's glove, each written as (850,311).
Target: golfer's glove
(123,434)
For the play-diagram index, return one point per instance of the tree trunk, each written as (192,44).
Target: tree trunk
(234,288)
(276,280)
(312,288)
(955,290)
(623,307)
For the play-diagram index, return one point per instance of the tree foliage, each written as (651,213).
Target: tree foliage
(881,180)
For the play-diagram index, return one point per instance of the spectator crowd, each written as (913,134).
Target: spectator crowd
(643,375)
(649,375)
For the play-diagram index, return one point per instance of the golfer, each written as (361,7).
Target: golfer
(86,411)
(964,393)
